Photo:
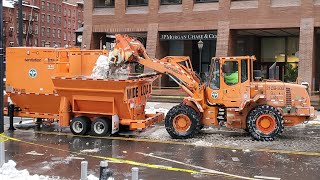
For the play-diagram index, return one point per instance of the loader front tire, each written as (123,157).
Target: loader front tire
(80,125)
(265,123)
(182,122)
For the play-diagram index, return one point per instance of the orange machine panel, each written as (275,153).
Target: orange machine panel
(29,71)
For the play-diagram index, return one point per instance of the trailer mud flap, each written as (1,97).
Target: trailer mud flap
(115,124)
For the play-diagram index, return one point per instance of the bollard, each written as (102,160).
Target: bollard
(84,170)
(105,172)
(11,114)
(135,173)
(2,154)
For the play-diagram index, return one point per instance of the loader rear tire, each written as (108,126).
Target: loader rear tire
(265,123)
(101,127)
(80,125)
(182,122)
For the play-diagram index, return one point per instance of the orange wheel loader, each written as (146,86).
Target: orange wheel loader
(234,95)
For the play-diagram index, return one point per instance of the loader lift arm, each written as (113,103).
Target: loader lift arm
(178,68)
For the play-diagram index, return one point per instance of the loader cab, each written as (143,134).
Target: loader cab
(229,81)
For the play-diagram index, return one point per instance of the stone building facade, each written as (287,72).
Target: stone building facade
(282,31)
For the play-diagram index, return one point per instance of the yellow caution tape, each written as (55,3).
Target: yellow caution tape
(117,160)
(183,143)
(3,138)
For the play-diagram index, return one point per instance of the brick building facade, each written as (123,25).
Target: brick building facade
(282,31)
(43,22)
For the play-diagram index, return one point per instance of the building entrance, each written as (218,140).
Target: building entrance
(270,46)
(199,46)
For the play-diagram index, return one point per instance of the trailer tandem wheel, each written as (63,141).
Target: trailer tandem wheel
(101,126)
(182,122)
(80,125)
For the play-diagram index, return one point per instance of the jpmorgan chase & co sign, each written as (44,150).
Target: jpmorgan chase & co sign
(172,36)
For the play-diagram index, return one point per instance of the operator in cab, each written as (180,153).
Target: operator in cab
(231,75)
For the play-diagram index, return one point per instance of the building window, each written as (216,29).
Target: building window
(24,15)
(104,3)
(53,33)
(65,12)
(58,33)
(65,24)
(36,17)
(206,1)
(48,32)
(69,36)
(64,36)
(69,13)
(53,7)
(137,2)
(48,6)
(43,16)
(59,8)
(24,28)
(43,5)
(42,31)
(59,20)
(30,17)
(69,24)
(74,13)
(164,2)
(30,29)
(35,42)
(42,43)
(48,18)
(54,20)
(36,29)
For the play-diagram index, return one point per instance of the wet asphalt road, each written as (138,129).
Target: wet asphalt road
(60,154)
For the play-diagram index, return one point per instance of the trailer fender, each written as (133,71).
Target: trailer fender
(115,124)
(194,104)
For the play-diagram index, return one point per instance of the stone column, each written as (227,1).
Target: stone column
(120,8)
(223,38)
(187,6)
(306,51)
(87,18)
(152,42)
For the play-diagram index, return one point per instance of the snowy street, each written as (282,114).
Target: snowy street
(216,153)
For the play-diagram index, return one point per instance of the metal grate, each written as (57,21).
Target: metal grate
(288,97)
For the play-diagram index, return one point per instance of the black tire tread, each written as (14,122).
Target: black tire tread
(85,121)
(191,113)
(253,116)
(107,123)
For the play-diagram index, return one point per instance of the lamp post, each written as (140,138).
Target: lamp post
(200,46)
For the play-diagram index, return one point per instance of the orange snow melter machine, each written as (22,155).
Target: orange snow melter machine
(55,84)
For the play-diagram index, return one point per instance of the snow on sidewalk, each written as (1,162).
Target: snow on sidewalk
(9,171)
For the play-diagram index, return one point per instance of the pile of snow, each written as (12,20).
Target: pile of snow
(202,143)
(90,150)
(106,67)
(153,110)
(9,171)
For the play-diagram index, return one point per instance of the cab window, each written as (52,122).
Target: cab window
(244,70)
(215,81)
(230,72)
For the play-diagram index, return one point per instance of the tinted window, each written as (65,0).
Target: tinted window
(231,72)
